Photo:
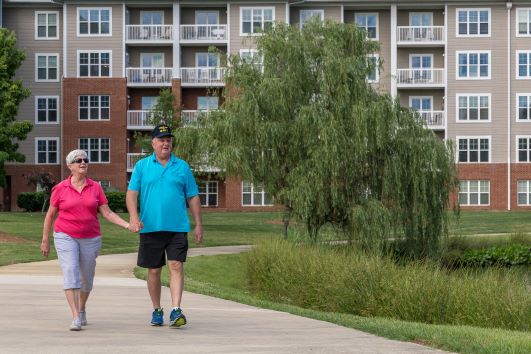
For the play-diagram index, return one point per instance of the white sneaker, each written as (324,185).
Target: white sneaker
(83,318)
(76,325)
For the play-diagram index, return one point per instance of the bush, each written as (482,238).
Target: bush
(116,201)
(505,256)
(31,201)
(341,280)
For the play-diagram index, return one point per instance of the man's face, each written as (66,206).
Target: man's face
(162,147)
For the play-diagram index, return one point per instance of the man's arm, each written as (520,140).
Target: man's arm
(195,207)
(131,198)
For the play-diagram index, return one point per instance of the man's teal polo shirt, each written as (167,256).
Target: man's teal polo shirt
(163,193)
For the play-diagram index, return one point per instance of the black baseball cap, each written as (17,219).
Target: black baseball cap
(161,131)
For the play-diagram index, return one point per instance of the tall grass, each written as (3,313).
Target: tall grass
(341,280)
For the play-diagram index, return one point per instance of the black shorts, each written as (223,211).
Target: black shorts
(156,246)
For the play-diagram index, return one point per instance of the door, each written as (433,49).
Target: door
(152,62)
(206,22)
(207,64)
(422,23)
(422,65)
(423,105)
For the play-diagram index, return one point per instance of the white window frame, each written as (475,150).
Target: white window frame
(253,204)
(207,193)
(91,52)
(47,37)
(79,34)
(47,55)
(488,137)
(47,98)
(478,193)
(314,12)
(57,140)
(518,77)
(517,29)
(468,52)
(420,55)
(88,150)
(422,13)
(152,12)
(99,107)
(527,192)
(243,34)
(468,95)
(517,108)
(377,37)
(517,148)
(421,98)
(478,9)
(377,79)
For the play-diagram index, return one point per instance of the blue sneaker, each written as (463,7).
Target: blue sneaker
(177,318)
(157,318)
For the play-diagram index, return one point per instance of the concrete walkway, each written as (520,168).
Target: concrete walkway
(34,318)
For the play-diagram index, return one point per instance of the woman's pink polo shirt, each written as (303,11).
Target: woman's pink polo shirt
(78,212)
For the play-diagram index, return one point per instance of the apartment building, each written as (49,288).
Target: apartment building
(96,68)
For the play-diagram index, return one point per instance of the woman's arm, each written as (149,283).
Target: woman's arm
(48,220)
(108,214)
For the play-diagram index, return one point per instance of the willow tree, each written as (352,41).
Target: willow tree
(302,120)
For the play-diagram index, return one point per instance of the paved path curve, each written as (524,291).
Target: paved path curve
(34,318)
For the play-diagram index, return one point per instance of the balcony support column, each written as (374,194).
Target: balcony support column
(176,73)
(393,50)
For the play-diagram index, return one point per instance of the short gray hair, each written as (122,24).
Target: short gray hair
(70,158)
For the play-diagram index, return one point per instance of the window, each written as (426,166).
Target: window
(473,22)
(473,108)
(307,15)
(473,65)
(254,195)
(46,150)
(46,109)
(94,107)
(524,192)
(421,19)
(148,102)
(523,106)
(94,63)
(152,17)
(96,148)
(369,22)
(523,148)
(152,60)
(206,17)
(47,67)
(208,193)
(373,62)
(523,22)
(207,102)
(422,65)
(255,20)
(523,64)
(105,184)
(474,192)
(94,21)
(474,149)
(46,25)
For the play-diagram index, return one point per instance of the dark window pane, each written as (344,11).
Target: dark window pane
(41,116)
(462,156)
(484,156)
(94,70)
(202,198)
(473,156)
(83,28)
(463,198)
(94,28)
(212,199)
(474,199)
(462,28)
(484,28)
(105,156)
(83,70)
(52,116)
(94,156)
(246,199)
(83,113)
(52,31)
(484,198)
(522,156)
(105,113)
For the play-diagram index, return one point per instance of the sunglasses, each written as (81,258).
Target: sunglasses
(80,161)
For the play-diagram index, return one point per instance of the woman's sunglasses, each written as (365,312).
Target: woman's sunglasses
(80,161)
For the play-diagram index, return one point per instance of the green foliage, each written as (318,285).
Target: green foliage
(11,94)
(116,201)
(340,280)
(306,124)
(506,256)
(31,201)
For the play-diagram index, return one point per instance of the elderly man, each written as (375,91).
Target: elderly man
(165,184)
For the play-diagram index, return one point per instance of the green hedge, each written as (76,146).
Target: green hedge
(116,201)
(31,201)
(506,256)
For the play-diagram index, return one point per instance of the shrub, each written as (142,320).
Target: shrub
(506,256)
(31,201)
(341,280)
(116,201)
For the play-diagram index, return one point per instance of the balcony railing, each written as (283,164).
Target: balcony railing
(189,117)
(420,77)
(149,76)
(139,120)
(203,33)
(132,158)
(433,119)
(149,33)
(420,34)
(202,76)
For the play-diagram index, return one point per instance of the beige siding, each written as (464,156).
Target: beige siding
(113,42)
(188,14)
(135,53)
(134,15)
(237,41)
(496,86)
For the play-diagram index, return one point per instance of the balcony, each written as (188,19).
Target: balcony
(189,117)
(200,34)
(132,158)
(202,76)
(420,78)
(418,36)
(149,77)
(433,119)
(139,120)
(148,34)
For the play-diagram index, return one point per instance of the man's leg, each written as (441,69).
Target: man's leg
(176,282)
(154,286)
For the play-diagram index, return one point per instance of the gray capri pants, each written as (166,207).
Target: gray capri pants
(77,257)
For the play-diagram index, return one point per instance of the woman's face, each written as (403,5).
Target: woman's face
(79,166)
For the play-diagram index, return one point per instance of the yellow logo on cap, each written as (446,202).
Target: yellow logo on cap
(163,129)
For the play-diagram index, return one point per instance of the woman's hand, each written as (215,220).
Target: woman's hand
(45,247)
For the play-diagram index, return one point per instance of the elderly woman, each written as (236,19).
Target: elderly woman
(77,236)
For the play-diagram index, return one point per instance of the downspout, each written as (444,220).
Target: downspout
(509,5)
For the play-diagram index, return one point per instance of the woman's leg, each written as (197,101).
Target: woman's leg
(88,252)
(68,254)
